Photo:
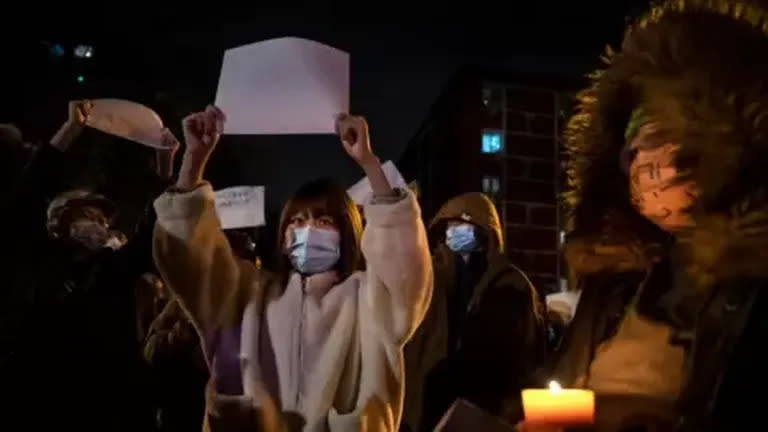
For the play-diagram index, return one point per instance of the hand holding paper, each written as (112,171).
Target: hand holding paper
(166,154)
(169,142)
(78,114)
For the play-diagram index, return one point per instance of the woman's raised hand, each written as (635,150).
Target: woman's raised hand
(353,131)
(77,115)
(202,131)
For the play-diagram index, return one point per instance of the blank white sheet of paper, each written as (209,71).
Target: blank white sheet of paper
(283,86)
(126,119)
(240,207)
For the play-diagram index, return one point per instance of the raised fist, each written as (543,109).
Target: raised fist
(353,131)
(202,131)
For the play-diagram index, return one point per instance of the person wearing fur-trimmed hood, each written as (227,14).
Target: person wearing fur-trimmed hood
(667,157)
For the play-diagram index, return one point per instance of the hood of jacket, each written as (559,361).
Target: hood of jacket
(475,208)
(700,69)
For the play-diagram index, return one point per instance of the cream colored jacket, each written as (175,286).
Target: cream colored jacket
(327,352)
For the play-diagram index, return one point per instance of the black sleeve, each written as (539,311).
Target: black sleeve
(24,214)
(43,174)
(135,258)
(526,347)
(25,239)
(521,350)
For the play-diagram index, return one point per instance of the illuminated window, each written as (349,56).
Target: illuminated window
(491,184)
(83,51)
(492,142)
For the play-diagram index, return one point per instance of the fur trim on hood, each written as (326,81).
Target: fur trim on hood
(699,68)
(475,208)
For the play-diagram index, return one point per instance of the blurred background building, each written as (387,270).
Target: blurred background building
(499,134)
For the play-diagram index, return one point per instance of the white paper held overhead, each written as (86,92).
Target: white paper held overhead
(240,207)
(126,119)
(361,190)
(283,86)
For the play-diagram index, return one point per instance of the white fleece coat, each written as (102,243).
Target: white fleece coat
(328,351)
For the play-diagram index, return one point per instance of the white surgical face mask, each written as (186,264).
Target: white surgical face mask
(461,238)
(314,250)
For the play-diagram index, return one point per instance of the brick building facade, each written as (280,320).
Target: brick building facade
(500,137)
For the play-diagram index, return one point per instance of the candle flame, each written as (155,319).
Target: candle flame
(555,387)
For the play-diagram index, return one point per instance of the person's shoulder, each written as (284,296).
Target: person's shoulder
(512,279)
(508,271)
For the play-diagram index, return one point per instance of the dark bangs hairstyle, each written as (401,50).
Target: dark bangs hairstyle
(325,197)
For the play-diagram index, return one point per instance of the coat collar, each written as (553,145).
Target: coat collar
(728,245)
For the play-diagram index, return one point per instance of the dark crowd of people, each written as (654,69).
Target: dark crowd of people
(381,324)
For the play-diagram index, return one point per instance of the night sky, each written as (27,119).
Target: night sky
(402,55)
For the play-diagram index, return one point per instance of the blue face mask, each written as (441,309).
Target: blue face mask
(461,238)
(314,250)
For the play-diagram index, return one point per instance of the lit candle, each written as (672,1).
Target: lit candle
(558,406)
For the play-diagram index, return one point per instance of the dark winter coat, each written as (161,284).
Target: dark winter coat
(700,69)
(179,372)
(68,317)
(479,342)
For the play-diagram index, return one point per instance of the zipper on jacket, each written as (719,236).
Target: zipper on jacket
(300,355)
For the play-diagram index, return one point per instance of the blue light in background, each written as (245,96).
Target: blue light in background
(57,50)
(492,142)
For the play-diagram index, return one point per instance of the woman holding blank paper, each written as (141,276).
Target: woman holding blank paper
(320,343)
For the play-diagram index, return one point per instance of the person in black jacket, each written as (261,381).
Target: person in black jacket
(69,353)
(179,371)
(484,332)
(14,153)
